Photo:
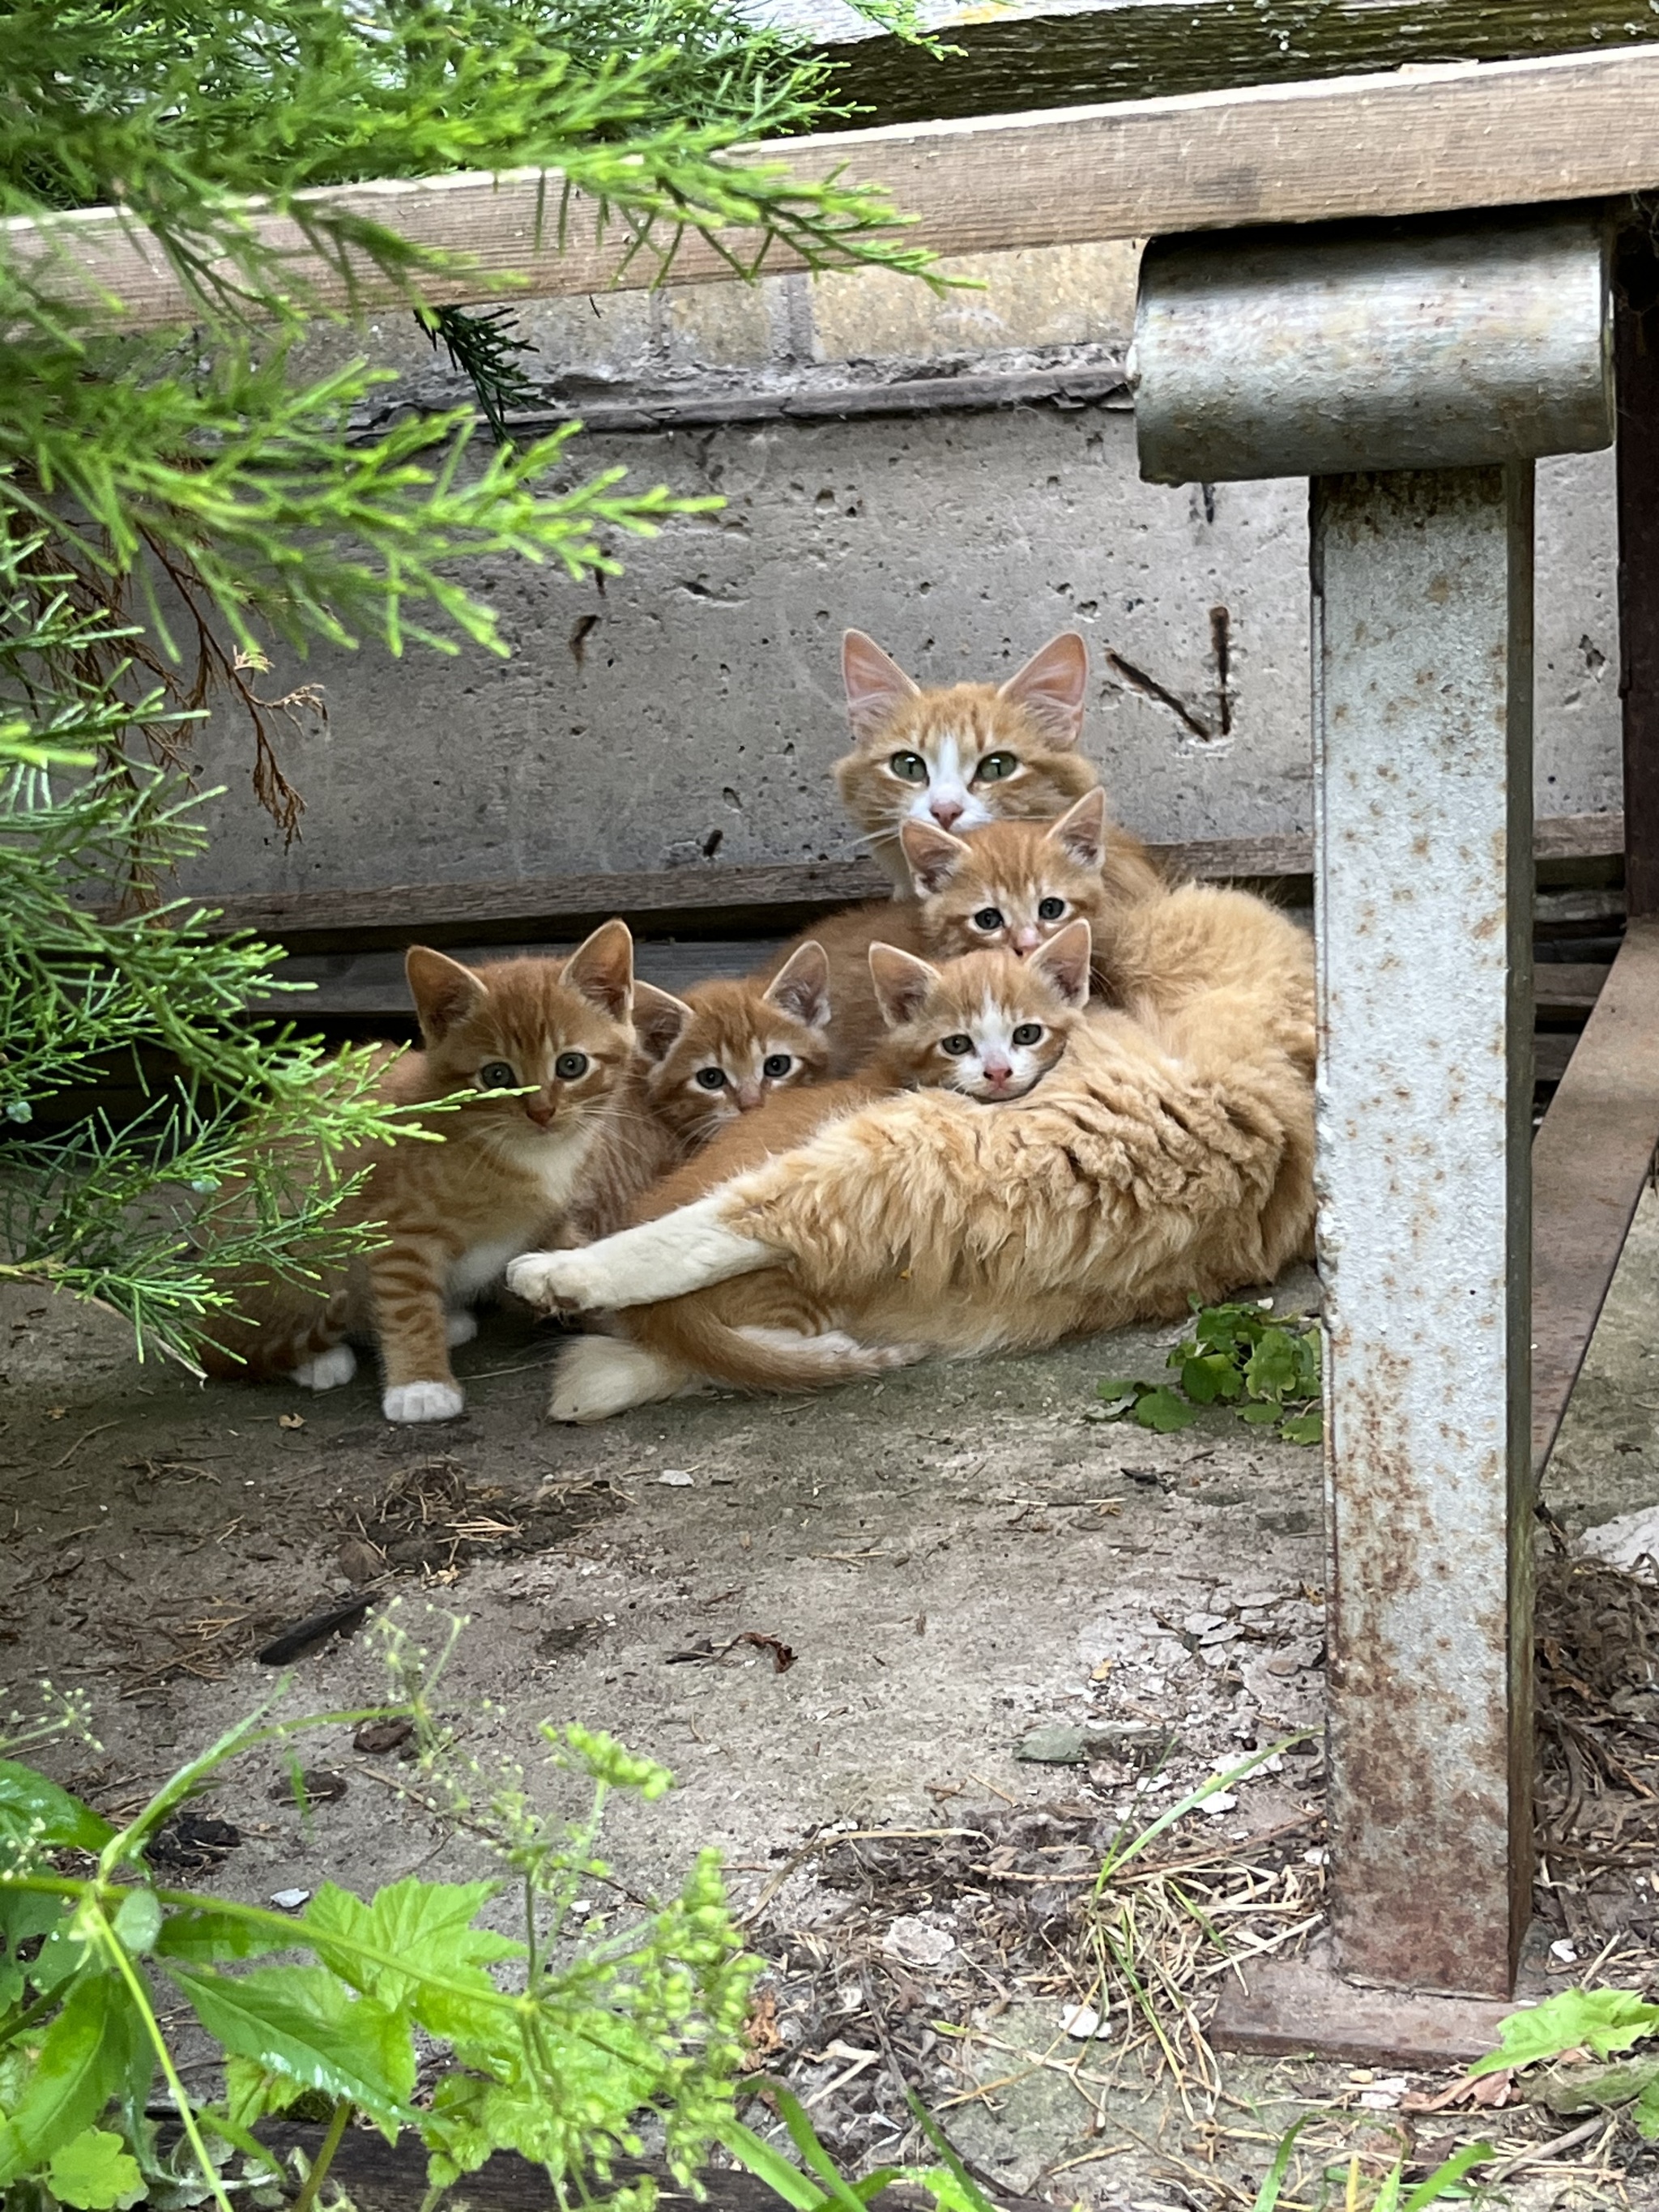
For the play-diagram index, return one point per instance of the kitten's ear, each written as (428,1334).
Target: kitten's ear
(659,1020)
(933,855)
(801,986)
(902,984)
(1063,962)
(1080,832)
(444,992)
(875,684)
(602,969)
(1051,688)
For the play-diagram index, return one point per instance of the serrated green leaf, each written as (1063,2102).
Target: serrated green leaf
(1164,1411)
(202,1934)
(304,2022)
(24,1914)
(30,1805)
(428,1927)
(84,2058)
(138,1922)
(95,2173)
(1599,2021)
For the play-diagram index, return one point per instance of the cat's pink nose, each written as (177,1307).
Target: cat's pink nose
(540,1111)
(945,811)
(997,1073)
(1027,939)
(749,1096)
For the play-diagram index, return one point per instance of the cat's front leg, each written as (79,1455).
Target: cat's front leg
(406,1282)
(685,1250)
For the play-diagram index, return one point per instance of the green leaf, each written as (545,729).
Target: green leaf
(1163,1410)
(139,1922)
(428,1927)
(1210,1377)
(1120,1391)
(1304,1429)
(84,2058)
(1259,1414)
(1647,2111)
(770,2166)
(96,2172)
(32,1806)
(303,2021)
(24,1914)
(1447,2176)
(1272,1369)
(201,1934)
(1272,2182)
(1599,2021)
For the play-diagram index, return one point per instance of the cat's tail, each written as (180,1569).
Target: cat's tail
(245,1349)
(688,1333)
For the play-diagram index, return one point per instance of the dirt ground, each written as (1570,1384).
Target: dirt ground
(829,1618)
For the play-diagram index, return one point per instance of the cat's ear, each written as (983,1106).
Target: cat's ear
(875,683)
(801,986)
(1052,686)
(932,854)
(602,969)
(659,1020)
(1080,832)
(1063,962)
(444,992)
(902,984)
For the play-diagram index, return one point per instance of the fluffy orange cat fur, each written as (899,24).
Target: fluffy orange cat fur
(1010,885)
(1170,1154)
(739,1041)
(986,1029)
(960,755)
(511,1172)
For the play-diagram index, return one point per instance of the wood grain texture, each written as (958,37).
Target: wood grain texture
(1485,136)
(1589,1160)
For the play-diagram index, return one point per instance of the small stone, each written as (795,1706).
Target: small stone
(1562,1950)
(1085,2023)
(676,1477)
(1223,1802)
(377,1736)
(291,1900)
(1053,1746)
(917,1943)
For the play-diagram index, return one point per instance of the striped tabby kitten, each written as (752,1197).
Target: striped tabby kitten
(506,1177)
(738,1042)
(961,754)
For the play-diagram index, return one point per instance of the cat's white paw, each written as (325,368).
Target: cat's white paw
(422,1401)
(328,1370)
(460,1328)
(558,1282)
(599,1376)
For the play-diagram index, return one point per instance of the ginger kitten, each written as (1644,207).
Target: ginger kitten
(508,1175)
(961,754)
(987,1028)
(1009,886)
(737,1044)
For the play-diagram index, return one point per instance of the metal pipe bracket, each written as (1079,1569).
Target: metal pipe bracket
(1333,350)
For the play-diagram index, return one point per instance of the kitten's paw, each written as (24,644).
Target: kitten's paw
(328,1370)
(558,1282)
(460,1328)
(599,1376)
(422,1401)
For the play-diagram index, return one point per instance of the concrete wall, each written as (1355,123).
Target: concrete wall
(691,709)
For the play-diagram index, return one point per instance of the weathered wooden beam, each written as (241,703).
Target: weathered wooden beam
(1590,1161)
(1517,133)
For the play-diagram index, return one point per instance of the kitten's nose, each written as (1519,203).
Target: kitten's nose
(997,1073)
(749,1096)
(945,811)
(540,1110)
(1027,939)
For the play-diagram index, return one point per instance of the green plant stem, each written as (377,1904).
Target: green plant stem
(117,1950)
(325,2158)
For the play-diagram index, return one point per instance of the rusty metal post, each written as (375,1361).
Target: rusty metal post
(1413,372)
(1422,602)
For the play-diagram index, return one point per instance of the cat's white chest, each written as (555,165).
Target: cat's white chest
(484,1265)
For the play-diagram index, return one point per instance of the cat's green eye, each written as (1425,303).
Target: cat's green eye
(909,767)
(777,1065)
(496,1075)
(712,1078)
(1050,910)
(569,1064)
(994,766)
(1029,1033)
(956,1045)
(988,918)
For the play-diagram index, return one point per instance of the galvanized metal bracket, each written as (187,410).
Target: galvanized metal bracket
(1413,373)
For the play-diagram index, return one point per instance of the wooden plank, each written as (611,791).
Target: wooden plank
(1568,989)
(1636,352)
(695,902)
(1590,1161)
(1493,135)
(372,983)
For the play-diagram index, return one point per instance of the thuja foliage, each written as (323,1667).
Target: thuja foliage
(1267,1369)
(174,506)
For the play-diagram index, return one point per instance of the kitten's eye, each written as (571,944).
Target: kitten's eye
(1050,910)
(988,918)
(994,766)
(777,1065)
(496,1075)
(1029,1033)
(956,1045)
(569,1064)
(909,767)
(712,1078)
